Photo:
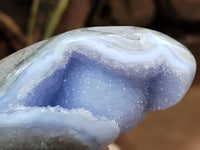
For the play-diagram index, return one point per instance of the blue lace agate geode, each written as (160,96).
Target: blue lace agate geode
(87,86)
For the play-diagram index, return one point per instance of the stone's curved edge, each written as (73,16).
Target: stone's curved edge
(34,139)
(150,45)
(9,65)
(127,45)
(55,123)
(147,38)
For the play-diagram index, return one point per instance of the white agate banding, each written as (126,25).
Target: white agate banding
(107,76)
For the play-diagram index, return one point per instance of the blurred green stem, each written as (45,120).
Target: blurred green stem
(31,24)
(60,8)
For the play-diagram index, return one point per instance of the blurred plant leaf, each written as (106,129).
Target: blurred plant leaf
(44,18)
(31,24)
(60,8)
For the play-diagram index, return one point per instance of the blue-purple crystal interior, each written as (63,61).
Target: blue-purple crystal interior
(163,90)
(84,83)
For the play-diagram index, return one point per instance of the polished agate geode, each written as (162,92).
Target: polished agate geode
(83,88)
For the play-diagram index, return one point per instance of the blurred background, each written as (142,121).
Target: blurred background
(24,22)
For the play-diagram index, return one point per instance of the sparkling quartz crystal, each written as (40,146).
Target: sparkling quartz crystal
(83,88)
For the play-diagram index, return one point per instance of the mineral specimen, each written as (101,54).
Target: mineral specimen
(83,88)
